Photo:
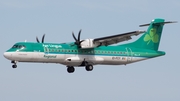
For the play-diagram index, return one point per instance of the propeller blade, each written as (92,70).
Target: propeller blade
(74,37)
(43,38)
(79,34)
(77,41)
(37,39)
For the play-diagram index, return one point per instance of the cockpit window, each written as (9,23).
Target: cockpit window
(19,46)
(15,46)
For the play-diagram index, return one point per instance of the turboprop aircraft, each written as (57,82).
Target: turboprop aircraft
(89,52)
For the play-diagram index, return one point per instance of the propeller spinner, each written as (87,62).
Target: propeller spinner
(42,41)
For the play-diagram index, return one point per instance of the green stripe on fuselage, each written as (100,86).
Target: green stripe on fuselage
(71,48)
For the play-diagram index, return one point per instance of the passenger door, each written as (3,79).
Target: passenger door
(129,55)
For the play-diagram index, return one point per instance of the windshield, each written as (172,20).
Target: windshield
(19,46)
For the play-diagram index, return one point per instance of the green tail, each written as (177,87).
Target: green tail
(151,38)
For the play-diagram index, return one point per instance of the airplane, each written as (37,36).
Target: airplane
(89,52)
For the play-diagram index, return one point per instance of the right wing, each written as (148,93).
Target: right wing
(109,40)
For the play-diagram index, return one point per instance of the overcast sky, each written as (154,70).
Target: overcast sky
(156,79)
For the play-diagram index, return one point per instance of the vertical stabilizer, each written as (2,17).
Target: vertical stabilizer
(151,38)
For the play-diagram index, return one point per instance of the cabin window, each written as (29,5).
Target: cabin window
(46,49)
(82,51)
(89,52)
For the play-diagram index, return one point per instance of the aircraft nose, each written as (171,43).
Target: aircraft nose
(7,55)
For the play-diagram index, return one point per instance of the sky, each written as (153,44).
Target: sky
(155,79)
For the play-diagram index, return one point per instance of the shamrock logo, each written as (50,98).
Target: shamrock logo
(152,36)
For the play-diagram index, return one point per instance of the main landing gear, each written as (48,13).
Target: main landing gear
(71,69)
(14,64)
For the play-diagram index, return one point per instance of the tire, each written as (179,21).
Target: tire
(70,69)
(14,66)
(89,67)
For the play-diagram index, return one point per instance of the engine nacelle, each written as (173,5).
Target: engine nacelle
(88,43)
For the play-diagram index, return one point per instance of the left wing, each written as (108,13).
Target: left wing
(109,40)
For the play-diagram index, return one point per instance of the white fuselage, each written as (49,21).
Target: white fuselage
(70,59)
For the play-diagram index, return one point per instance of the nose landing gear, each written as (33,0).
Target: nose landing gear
(14,64)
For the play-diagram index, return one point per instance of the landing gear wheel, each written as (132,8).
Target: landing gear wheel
(14,66)
(89,67)
(70,69)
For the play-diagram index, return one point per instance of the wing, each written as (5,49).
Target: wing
(109,40)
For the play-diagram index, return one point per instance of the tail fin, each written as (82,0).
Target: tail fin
(151,38)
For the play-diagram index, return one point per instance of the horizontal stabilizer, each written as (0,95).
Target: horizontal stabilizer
(167,22)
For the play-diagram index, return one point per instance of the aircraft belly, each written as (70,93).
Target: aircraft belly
(50,58)
(76,60)
(38,57)
(120,60)
(72,59)
(111,60)
(94,60)
(21,56)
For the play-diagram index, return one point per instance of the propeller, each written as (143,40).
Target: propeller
(77,40)
(42,39)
